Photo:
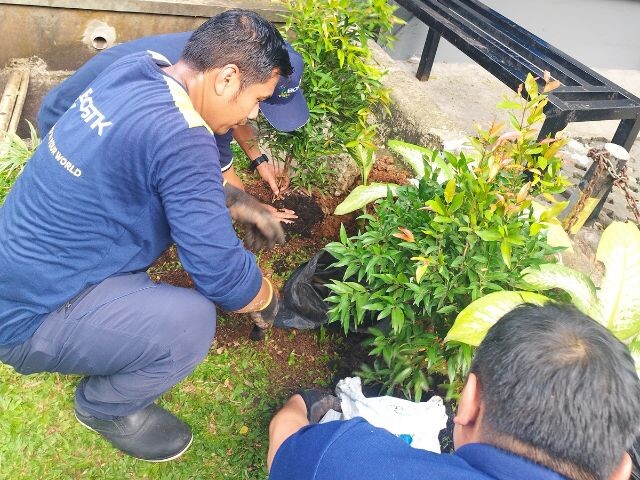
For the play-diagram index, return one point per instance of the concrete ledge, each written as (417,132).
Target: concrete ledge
(414,114)
(187,8)
(53,30)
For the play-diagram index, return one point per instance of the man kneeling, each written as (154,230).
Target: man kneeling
(551,394)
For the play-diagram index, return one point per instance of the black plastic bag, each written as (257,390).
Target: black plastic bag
(302,305)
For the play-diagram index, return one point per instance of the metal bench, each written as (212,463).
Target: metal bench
(509,52)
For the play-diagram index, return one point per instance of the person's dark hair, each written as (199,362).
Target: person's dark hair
(559,389)
(241,37)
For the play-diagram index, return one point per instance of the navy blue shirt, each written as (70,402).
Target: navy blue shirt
(60,98)
(355,450)
(128,169)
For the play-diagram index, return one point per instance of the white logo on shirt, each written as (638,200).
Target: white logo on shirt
(88,112)
(60,158)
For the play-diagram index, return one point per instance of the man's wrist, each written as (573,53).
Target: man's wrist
(258,161)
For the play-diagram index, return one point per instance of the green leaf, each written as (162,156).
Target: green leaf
(442,167)
(397,319)
(557,236)
(420,271)
(458,199)
(450,190)
(412,154)
(489,235)
(403,375)
(531,86)
(505,249)
(552,212)
(473,323)
(363,195)
(343,234)
(507,104)
(619,295)
(435,205)
(340,54)
(576,284)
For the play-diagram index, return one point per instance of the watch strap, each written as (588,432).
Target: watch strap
(261,159)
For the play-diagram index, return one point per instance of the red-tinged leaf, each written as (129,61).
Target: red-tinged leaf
(505,162)
(552,85)
(508,137)
(524,191)
(495,129)
(405,234)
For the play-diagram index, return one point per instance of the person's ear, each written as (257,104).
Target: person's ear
(469,404)
(227,80)
(467,418)
(623,470)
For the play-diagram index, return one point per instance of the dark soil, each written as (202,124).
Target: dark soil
(307,209)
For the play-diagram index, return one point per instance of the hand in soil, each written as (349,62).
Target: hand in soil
(283,215)
(278,181)
(262,230)
(268,173)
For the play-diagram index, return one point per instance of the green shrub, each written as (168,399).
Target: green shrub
(339,83)
(466,230)
(14,154)
(615,304)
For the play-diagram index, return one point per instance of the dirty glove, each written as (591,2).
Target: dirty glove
(263,319)
(262,230)
(318,403)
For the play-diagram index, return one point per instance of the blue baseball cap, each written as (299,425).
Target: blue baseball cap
(287,110)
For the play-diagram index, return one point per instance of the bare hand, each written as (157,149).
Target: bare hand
(278,184)
(283,215)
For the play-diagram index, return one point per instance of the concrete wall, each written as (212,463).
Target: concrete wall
(61,31)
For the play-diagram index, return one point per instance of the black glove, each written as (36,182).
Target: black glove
(263,319)
(262,230)
(318,403)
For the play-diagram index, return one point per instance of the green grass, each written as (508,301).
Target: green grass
(226,401)
(14,154)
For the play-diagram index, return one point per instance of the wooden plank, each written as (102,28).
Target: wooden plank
(22,95)
(8,101)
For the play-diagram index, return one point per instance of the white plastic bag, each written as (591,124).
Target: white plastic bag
(417,423)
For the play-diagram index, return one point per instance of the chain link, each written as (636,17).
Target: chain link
(620,179)
(597,156)
(623,182)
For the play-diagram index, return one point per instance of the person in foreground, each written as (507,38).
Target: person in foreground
(551,395)
(131,167)
(286,110)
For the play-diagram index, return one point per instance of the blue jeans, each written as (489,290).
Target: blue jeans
(131,338)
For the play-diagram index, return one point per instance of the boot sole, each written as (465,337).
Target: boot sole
(168,459)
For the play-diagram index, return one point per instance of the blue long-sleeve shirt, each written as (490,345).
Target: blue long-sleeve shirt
(128,169)
(60,97)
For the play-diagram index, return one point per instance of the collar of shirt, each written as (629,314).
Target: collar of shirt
(503,465)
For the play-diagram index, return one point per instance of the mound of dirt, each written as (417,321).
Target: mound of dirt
(308,211)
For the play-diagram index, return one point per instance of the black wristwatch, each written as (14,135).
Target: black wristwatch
(261,159)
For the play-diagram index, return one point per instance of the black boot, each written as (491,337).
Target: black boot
(257,333)
(152,434)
